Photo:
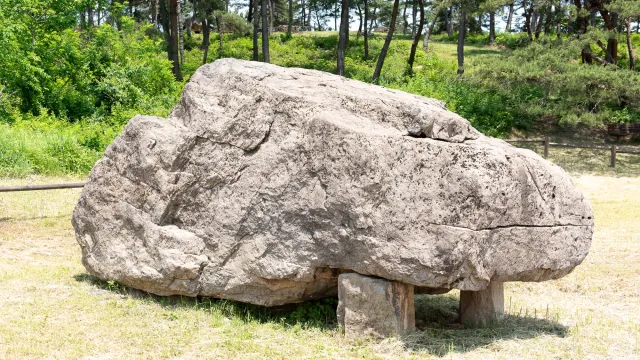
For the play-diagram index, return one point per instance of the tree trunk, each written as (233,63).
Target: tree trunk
(559,31)
(309,14)
(366,33)
(166,26)
(344,35)
(387,41)
(265,32)
(612,44)
(582,21)
(304,14)
(416,39)
(373,16)
(611,23)
(256,20)
(220,39)
(83,20)
(173,15)
(632,60)
(534,18)
(180,32)
(290,18)
(527,20)
(404,17)
(250,12)
(538,26)
(427,36)
(461,31)
(335,17)
(90,17)
(359,10)
(205,40)
(271,12)
(509,18)
(414,14)
(317,18)
(450,28)
(192,19)
(492,28)
(547,20)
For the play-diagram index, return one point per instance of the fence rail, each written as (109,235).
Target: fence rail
(614,149)
(42,187)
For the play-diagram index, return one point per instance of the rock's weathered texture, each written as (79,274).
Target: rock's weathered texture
(374,307)
(266,183)
(482,307)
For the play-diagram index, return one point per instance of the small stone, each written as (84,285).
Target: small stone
(374,307)
(479,308)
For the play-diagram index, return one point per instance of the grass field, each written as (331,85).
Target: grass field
(51,308)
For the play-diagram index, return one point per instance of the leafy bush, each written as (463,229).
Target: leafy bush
(548,80)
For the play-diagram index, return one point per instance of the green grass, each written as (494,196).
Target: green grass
(51,308)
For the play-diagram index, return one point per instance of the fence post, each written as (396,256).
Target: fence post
(546,147)
(613,156)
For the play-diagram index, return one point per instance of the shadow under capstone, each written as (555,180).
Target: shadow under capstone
(440,333)
(438,330)
(318,314)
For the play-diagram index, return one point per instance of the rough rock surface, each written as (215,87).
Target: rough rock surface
(374,307)
(265,183)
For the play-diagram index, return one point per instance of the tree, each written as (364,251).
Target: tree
(461,34)
(265,32)
(173,14)
(256,19)
(416,39)
(627,9)
(366,33)
(205,39)
(509,18)
(427,36)
(387,41)
(290,18)
(344,35)
(180,32)
(492,27)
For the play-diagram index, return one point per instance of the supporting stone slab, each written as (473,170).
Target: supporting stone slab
(479,308)
(374,307)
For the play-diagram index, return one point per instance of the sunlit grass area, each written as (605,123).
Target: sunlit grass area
(51,308)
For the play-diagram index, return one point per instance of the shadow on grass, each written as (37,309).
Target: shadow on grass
(437,318)
(319,313)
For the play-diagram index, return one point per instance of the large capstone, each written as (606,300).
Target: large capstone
(266,183)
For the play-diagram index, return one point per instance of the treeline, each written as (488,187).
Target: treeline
(572,59)
(597,23)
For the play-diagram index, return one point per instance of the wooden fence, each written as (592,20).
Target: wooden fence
(613,148)
(41,187)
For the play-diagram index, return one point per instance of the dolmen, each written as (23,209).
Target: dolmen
(272,185)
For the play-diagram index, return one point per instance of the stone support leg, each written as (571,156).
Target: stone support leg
(478,308)
(374,307)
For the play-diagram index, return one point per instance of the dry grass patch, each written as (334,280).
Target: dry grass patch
(52,309)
